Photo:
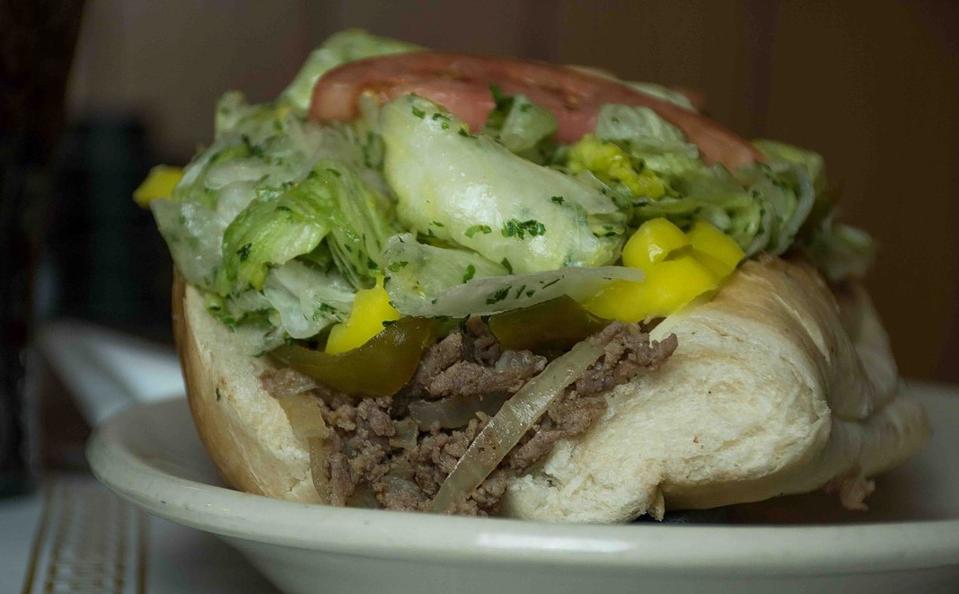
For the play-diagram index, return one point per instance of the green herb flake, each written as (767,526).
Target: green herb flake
(474,229)
(551,283)
(397,266)
(507,265)
(498,295)
(469,274)
(557,199)
(244,251)
(418,112)
(520,229)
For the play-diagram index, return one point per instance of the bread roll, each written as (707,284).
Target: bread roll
(771,391)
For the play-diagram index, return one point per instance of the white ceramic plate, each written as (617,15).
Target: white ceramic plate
(907,542)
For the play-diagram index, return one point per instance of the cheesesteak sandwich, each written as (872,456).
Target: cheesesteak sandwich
(457,284)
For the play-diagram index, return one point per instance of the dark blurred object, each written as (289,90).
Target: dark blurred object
(104,260)
(36,48)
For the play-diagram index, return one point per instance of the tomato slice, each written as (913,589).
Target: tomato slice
(460,83)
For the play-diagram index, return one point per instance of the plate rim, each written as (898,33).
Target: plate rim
(649,548)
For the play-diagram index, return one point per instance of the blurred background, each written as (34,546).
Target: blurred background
(872,85)
(96,92)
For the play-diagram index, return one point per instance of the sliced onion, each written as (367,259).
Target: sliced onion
(306,419)
(406,434)
(454,412)
(513,420)
(305,415)
(318,452)
(364,497)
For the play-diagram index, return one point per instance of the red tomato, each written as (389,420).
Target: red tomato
(461,83)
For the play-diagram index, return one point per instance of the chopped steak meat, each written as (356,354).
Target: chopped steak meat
(485,347)
(438,358)
(511,370)
(627,351)
(375,451)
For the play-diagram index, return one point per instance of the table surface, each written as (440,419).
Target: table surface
(74,533)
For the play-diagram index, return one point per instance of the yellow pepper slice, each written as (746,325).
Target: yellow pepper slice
(673,284)
(679,267)
(158,185)
(611,163)
(653,242)
(371,308)
(669,286)
(714,248)
(622,300)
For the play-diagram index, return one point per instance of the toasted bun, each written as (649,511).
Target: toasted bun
(771,391)
(244,429)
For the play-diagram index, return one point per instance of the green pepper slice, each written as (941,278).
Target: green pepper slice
(554,325)
(380,367)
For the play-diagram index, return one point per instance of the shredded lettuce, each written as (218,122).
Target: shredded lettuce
(418,272)
(652,171)
(664,93)
(642,131)
(274,229)
(523,127)
(343,47)
(279,226)
(839,251)
(306,300)
(259,151)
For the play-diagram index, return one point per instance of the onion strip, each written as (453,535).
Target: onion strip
(305,416)
(454,412)
(318,453)
(513,420)
(306,419)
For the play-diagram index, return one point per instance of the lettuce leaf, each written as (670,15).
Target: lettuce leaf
(418,272)
(430,281)
(840,251)
(306,300)
(470,191)
(340,48)
(523,127)
(281,225)
(664,93)
(642,130)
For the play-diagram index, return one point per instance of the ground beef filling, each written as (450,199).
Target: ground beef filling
(381,457)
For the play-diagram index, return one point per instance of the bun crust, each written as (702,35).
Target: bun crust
(773,390)
(244,429)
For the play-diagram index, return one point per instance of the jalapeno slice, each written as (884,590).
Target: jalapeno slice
(554,325)
(380,367)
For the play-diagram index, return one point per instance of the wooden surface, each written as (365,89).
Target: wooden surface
(874,86)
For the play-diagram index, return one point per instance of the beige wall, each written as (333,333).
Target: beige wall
(874,86)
